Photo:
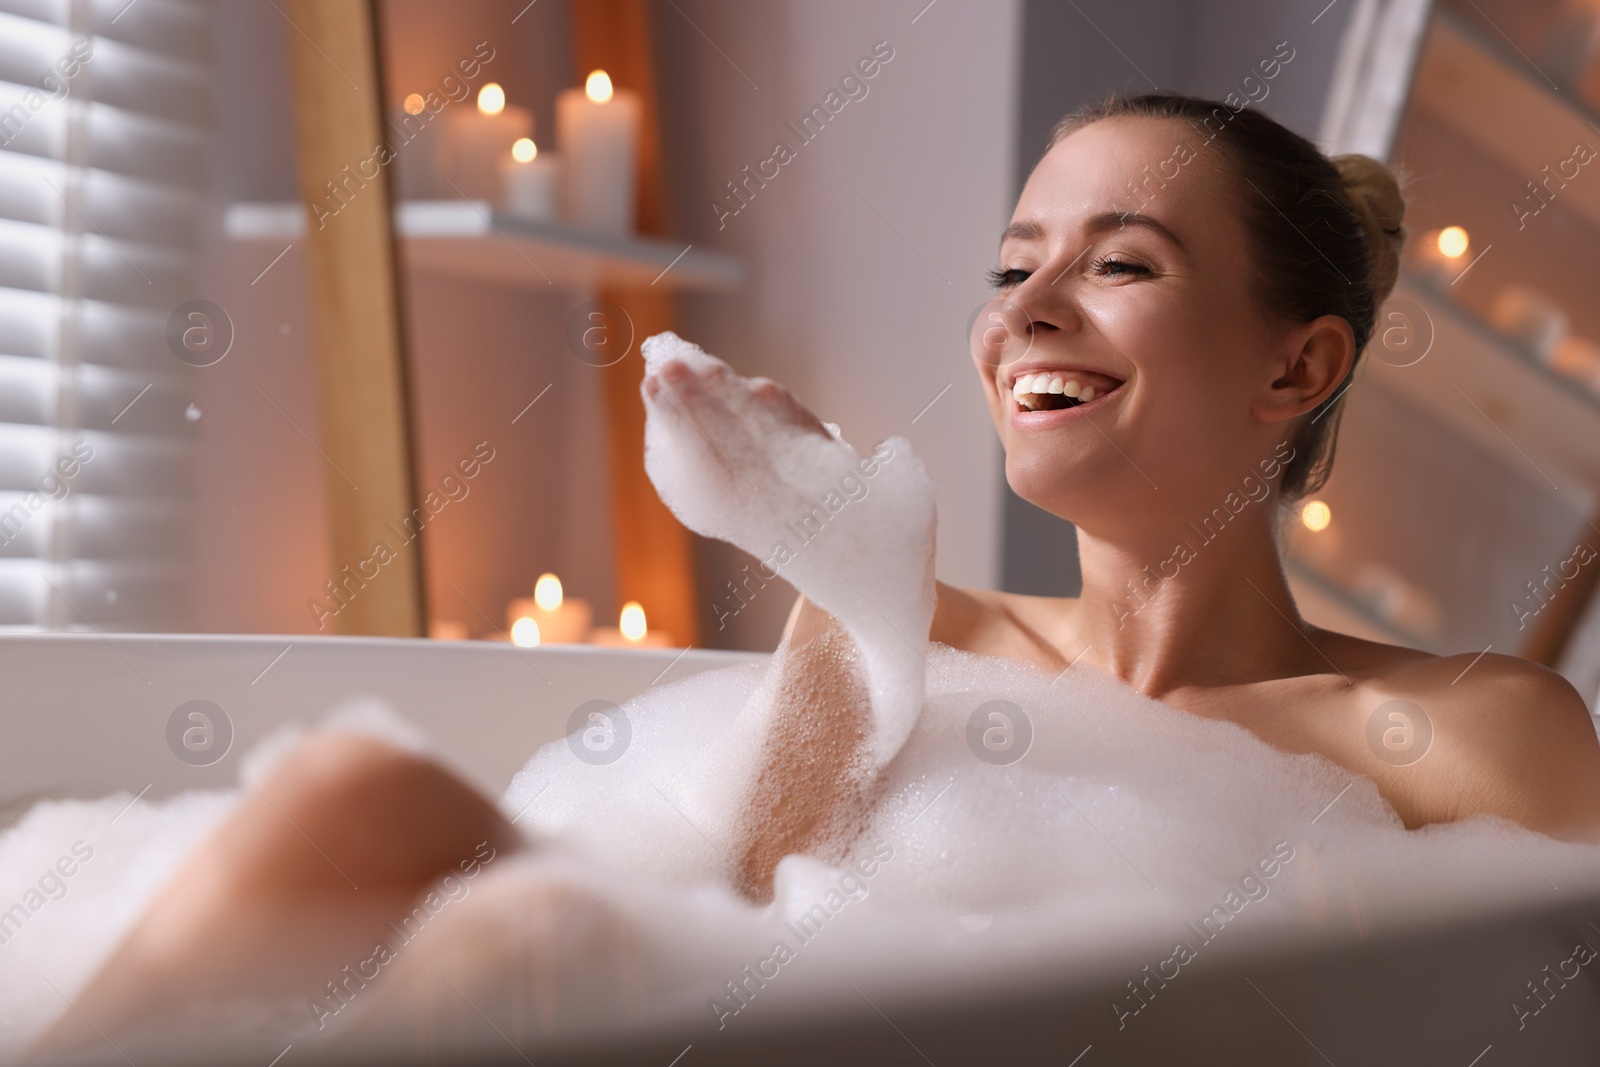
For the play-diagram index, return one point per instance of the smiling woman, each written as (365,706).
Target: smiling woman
(1148,364)
(1210,331)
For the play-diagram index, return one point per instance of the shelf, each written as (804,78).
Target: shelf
(1508,110)
(1518,409)
(469,239)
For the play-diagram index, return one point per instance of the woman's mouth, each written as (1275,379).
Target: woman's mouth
(1059,390)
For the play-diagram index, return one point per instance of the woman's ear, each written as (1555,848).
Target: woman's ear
(1316,357)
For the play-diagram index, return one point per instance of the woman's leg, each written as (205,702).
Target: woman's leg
(302,880)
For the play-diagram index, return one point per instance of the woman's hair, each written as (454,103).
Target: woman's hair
(1325,234)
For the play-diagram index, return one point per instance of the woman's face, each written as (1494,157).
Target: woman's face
(1140,293)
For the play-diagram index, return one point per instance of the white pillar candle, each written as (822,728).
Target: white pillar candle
(631,631)
(598,130)
(476,140)
(530,182)
(556,619)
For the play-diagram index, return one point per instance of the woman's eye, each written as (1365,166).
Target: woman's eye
(1005,279)
(1115,267)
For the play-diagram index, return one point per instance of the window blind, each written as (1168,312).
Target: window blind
(105,110)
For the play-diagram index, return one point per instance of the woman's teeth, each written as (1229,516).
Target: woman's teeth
(1045,392)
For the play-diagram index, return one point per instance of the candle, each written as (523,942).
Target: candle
(1441,256)
(475,141)
(548,617)
(1536,323)
(413,135)
(630,631)
(1578,358)
(598,128)
(530,182)
(447,629)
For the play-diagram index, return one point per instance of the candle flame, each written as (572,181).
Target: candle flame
(525,633)
(523,150)
(1316,515)
(414,104)
(1453,241)
(547,590)
(598,86)
(491,99)
(631,622)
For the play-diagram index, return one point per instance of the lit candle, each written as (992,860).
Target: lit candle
(598,128)
(530,182)
(548,617)
(475,141)
(631,631)
(414,134)
(1441,256)
(1534,321)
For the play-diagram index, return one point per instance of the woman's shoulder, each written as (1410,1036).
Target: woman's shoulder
(1511,737)
(1023,627)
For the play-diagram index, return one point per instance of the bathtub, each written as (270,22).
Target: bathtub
(87,715)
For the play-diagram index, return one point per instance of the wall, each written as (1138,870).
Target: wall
(261,518)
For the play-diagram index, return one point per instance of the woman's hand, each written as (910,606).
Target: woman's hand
(741,460)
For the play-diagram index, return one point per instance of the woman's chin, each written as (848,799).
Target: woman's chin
(1075,491)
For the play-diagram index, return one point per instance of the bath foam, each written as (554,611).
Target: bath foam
(734,469)
(58,931)
(1122,829)
(1126,828)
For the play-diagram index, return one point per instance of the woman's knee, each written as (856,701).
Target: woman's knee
(395,815)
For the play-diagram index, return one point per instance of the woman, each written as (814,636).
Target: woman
(1185,294)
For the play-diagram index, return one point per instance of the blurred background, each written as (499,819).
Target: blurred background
(323,317)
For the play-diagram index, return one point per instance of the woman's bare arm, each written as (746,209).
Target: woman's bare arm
(812,788)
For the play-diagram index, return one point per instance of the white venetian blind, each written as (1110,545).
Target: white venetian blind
(101,183)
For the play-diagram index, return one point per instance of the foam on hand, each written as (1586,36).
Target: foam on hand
(853,533)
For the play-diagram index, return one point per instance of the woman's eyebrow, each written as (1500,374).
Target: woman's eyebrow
(1027,229)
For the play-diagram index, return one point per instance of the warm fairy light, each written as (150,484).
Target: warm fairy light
(1316,515)
(525,633)
(524,151)
(547,592)
(491,99)
(598,86)
(631,622)
(1453,241)
(413,104)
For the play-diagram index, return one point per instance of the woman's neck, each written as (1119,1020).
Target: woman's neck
(1210,607)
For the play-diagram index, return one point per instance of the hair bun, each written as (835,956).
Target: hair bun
(1375,196)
